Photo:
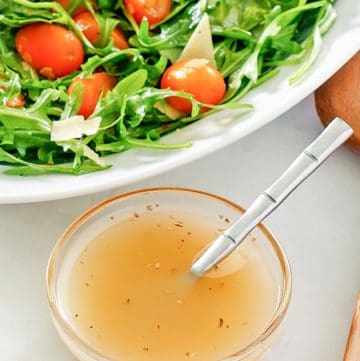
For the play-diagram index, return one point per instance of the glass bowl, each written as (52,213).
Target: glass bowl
(100,217)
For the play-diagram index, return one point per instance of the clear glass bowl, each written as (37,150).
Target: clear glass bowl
(98,218)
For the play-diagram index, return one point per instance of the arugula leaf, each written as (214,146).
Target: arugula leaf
(243,15)
(31,170)
(173,33)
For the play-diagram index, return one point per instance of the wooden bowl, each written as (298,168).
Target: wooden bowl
(340,96)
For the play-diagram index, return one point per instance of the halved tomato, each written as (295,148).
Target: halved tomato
(154,10)
(99,84)
(196,77)
(91,29)
(51,49)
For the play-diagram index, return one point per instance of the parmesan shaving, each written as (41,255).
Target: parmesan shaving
(168,110)
(200,44)
(196,63)
(74,127)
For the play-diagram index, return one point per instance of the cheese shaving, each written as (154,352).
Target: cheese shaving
(200,44)
(168,110)
(196,63)
(74,127)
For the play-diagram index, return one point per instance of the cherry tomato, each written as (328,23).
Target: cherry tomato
(66,3)
(16,102)
(154,10)
(91,29)
(119,39)
(97,85)
(51,49)
(196,77)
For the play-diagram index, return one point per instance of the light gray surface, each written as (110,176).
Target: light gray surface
(318,227)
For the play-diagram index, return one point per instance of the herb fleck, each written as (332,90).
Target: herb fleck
(221,323)
(188,354)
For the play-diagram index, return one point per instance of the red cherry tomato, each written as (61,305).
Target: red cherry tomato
(196,77)
(66,3)
(91,29)
(97,85)
(154,10)
(51,49)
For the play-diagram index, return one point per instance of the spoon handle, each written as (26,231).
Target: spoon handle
(335,134)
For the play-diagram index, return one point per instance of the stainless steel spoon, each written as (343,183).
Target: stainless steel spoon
(335,134)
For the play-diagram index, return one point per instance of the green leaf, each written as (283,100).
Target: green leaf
(9,158)
(32,170)
(172,33)
(22,119)
(243,15)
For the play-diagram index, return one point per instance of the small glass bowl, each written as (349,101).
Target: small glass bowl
(100,217)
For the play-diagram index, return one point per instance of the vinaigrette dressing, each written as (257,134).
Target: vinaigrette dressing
(131,297)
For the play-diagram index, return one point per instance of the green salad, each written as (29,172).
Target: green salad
(81,79)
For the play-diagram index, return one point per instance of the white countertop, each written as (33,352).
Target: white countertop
(318,226)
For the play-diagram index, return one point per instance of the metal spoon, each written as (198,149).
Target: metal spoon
(335,134)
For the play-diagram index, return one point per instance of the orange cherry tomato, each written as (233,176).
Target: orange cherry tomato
(154,10)
(16,102)
(91,29)
(51,49)
(197,77)
(97,85)
(66,3)
(119,39)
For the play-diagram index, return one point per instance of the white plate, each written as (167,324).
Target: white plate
(208,135)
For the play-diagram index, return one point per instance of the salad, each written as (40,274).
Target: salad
(81,79)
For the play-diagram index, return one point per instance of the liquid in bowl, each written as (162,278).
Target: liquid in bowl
(125,293)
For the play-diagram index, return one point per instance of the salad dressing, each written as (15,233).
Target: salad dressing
(130,295)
